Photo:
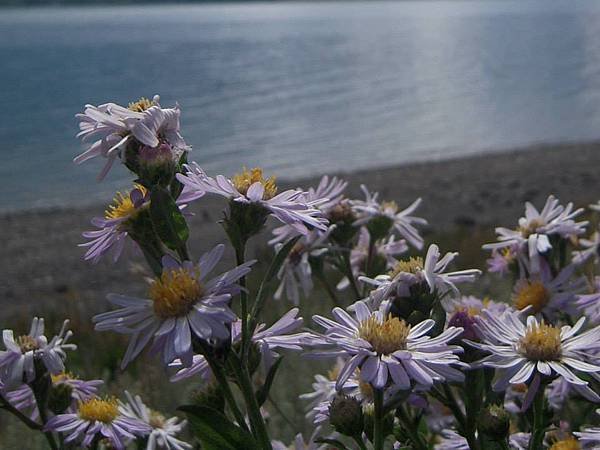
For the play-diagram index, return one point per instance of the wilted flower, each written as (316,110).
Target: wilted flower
(387,216)
(111,127)
(163,431)
(98,417)
(532,236)
(17,362)
(387,349)
(525,353)
(183,302)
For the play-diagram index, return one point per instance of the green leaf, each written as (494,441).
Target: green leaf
(271,272)
(169,224)
(263,393)
(333,442)
(215,431)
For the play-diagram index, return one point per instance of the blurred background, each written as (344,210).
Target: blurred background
(476,106)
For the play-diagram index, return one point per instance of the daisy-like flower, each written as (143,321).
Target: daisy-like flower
(416,271)
(390,216)
(463,312)
(300,444)
(589,303)
(387,350)
(590,436)
(17,362)
(250,187)
(113,227)
(278,336)
(110,127)
(163,431)
(385,250)
(527,353)
(547,295)
(501,260)
(98,417)
(182,302)
(532,236)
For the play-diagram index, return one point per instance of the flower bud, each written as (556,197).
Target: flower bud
(346,415)
(59,397)
(462,318)
(494,422)
(342,216)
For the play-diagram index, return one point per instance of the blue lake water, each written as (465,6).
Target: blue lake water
(298,88)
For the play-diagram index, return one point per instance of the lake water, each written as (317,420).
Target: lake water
(298,88)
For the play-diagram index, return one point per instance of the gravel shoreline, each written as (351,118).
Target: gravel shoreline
(41,263)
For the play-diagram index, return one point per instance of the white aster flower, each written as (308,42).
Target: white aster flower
(416,271)
(527,353)
(182,303)
(402,221)
(164,431)
(110,127)
(17,362)
(94,418)
(387,350)
(532,235)
(250,187)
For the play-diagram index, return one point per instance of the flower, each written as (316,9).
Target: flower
(525,353)
(250,187)
(385,250)
(144,123)
(17,361)
(268,341)
(94,417)
(182,302)
(386,349)
(414,271)
(300,444)
(463,312)
(549,296)
(501,260)
(532,235)
(163,431)
(451,440)
(114,226)
(402,221)
(590,249)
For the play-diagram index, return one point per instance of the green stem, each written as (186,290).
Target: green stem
(410,429)
(253,409)
(359,442)
(217,371)
(378,436)
(539,428)
(240,257)
(348,269)
(41,401)
(454,407)
(330,290)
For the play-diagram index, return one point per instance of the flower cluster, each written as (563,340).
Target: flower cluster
(415,362)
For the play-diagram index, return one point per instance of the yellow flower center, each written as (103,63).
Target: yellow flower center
(531,228)
(63,376)
(531,293)
(541,343)
(100,410)
(175,293)
(26,343)
(243,181)
(141,105)
(411,265)
(122,206)
(391,207)
(566,444)
(157,420)
(385,337)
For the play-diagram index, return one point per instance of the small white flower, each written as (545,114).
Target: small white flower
(163,431)
(524,353)
(402,221)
